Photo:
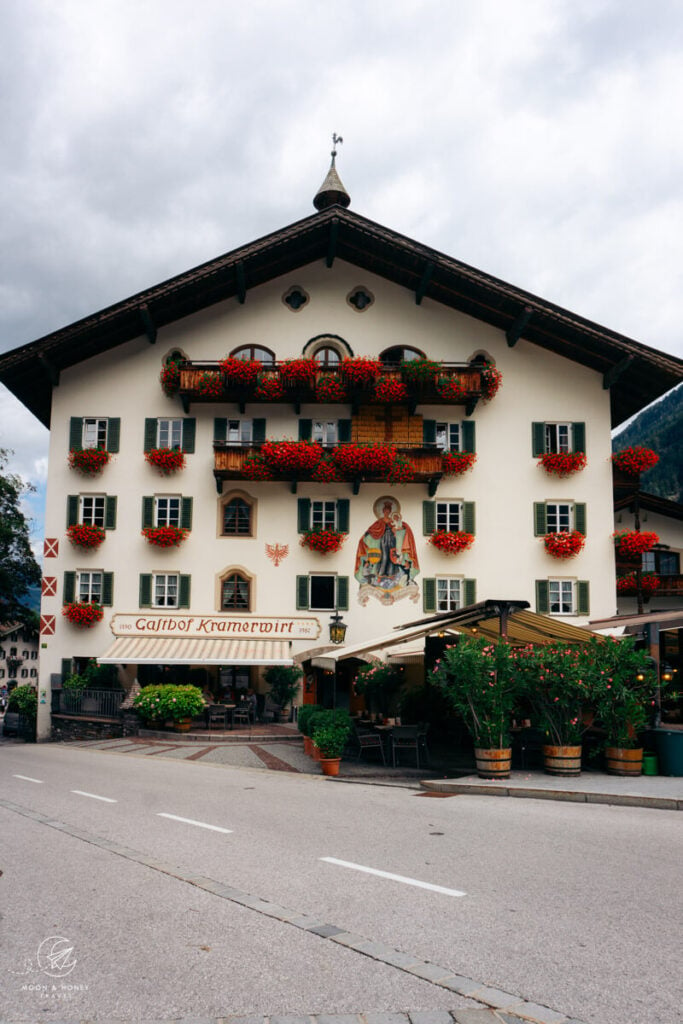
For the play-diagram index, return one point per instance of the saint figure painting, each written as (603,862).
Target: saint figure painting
(386,558)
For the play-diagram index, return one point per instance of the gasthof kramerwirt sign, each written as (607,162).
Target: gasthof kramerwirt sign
(217,626)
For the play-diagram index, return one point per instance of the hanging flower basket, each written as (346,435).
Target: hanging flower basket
(451,542)
(564,545)
(254,468)
(166,460)
(419,371)
(390,390)
(323,541)
(269,388)
(165,536)
(360,372)
(451,388)
(169,378)
(629,584)
(454,463)
(634,461)
(491,381)
(632,543)
(210,384)
(298,373)
(83,613)
(292,456)
(353,459)
(329,388)
(562,463)
(89,461)
(83,535)
(240,372)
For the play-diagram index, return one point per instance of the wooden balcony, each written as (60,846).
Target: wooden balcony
(193,388)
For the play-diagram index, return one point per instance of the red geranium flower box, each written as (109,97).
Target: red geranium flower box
(269,388)
(402,471)
(299,372)
(166,460)
(562,463)
(330,388)
(169,379)
(89,461)
(325,472)
(292,456)
(254,468)
(632,543)
(360,372)
(454,463)
(629,584)
(565,544)
(83,535)
(323,541)
(240,371)
(451,388)
(210,384)
(634,461)
(83,613)
(165,536)
(390,389)
(491,381)
(353,459)
(451,542)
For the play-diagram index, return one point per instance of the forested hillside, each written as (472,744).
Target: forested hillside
(661,428)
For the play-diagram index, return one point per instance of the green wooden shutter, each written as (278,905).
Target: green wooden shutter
(578,437)
(305,430)
(145,590)
(428,432)
(183,591)
(302,592)
(69,587)
(72,510)
(108,589)
(66,668)
(580,517)
(343,593)
(343,513)
(189,434)
(303,514)
(542,597)
(468,523)
(150,434)
(467,432)
(538,438)
(110,512)
(429,594)
(540,519)
(343,431)
(220,428)
(258,430)
(469,592)
(113,434)
(75,433)
(147,511)
(428,517)
(582,597)
(186,513)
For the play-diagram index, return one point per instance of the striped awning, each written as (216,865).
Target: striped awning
(142,650)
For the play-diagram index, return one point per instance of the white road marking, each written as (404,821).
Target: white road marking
(191,821)
(395,878)
(94,796)
(27,778)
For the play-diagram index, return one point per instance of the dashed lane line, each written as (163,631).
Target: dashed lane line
(394,878)
(191,821)
(27,778)
(94,796)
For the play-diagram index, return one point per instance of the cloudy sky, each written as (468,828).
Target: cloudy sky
(538,140)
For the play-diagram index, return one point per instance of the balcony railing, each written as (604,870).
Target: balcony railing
(91,703)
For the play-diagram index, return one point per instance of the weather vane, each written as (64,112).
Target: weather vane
(335,139)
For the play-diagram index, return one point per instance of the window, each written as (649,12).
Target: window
(34,655)
(2,673)
(235,590)
(164,590)
(295,299)
(448,515)
(167,511)
(238,431)
(448,436)
(91,512)
(264,355)
(33,673)
(447,593)
(324,431)
(237,518)
(24,673)
(400,353)
(178,432)
(323,515)
(2,653)
(89,586)
(360,298)
(327,356)
(322,593)
(664,563)
(562,597)
(94,432)
(169,433)
(559,517)
(553,438)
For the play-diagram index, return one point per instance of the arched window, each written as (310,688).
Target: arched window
(235,593)
(398,353)
(237,518)
(327,356)
(264,355)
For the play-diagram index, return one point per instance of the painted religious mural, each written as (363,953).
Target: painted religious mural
(386,557)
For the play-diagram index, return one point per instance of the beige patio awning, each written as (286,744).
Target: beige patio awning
(142,650)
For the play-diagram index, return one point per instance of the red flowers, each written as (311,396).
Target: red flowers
(166,460)
(240,371)
(451,388)
(454,463)
(85,536)
(634,461)
(83,613)
(292,456)
(210,384)
(89,461)
(360,372)
(169,378)
(491,381)
(269,388)
(353,459)
(562,463)
(390,390)
(165,536)
(629,584)
(255,468)
(323,541)
(451,543)
(329,388)
(299,372)
(632,543)
(419,371)
(564,545)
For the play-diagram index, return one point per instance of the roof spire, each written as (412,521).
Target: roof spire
(332,191)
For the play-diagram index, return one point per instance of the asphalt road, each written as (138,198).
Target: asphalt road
(576,907)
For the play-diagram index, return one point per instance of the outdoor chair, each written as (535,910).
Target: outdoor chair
(271,710)
(216,714)
(369,741)
(405,737)
(240,716)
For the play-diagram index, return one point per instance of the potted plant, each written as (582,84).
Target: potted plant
(331,731)
(477,678)
(636,460)
(299,457)
(379,685)
(360,372)
(169,378)
(298,373)
(562,463)
(240,372)
(491,381)
(83,613)
(390,390)
(631,544)
(452,389)
(180,704)
(88,461)
(330,388)
(166,460)
(419,372)
(165,536)
(304,724)
(84,535)
(23,701)
(354,459)
(451,542)
(323,541)
(210,384)
(564,544)
(629,584)
(269,388)
(283,681)
(455,463)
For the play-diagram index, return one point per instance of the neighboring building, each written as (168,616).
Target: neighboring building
(661,582)
(18,654)
(241,592)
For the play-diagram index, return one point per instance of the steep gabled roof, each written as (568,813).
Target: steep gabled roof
(635,373)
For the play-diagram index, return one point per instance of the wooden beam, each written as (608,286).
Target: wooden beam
(356,485)
(471,405)
(517,328)
(332,243)
(185,401)
(432,484)
(424,283)
(50,369)
(219,482)
(148,324)
(241,282)
(613,375)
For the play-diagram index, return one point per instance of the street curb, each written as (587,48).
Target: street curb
(661,803)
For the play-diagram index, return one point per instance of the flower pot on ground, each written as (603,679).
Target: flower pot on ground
(183,725)
(493,763)
(83,535)
(166,460)
(331,731)
(379,685)
(626,761)
(24,701)
(564,760)
(157,704)
(624,698)
(303,721)
(89,461)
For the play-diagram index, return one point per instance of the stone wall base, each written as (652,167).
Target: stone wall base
(66,729)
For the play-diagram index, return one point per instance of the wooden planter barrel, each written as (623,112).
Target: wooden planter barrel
(493,764)
(562,760)
(622,761)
